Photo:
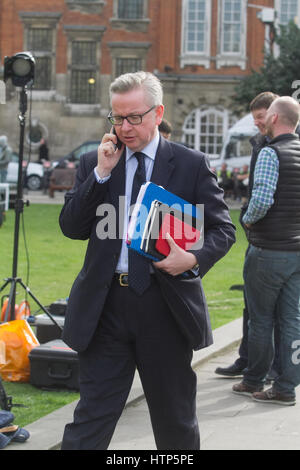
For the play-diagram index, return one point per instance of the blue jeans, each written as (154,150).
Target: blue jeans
(272,280)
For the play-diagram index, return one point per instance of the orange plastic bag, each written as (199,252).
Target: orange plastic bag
(19,340)
(22,311)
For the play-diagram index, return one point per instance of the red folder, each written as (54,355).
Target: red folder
(184,235)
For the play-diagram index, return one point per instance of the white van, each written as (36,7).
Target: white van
(236,150)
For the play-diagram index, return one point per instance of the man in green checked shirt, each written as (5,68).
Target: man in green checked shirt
(272,265)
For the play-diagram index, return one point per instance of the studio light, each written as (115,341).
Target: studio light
(20,68)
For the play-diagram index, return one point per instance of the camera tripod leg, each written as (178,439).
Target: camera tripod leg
(5,401)
(4,285)
(26,288)
(12,295)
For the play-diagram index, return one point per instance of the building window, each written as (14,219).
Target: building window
(130,9)
(128,56)
(195,32)
(83,75)
(232,34)
(43,68)
(84,53)
(196,28)
(288,10)
(40,44)
(40,39)
(83,87)
(86,6)
(231,26)
(130,15)
(127,65)
(204,129)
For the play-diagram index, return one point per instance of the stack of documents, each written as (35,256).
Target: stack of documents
(158,212)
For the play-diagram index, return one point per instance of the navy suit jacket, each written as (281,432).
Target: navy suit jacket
(178,169)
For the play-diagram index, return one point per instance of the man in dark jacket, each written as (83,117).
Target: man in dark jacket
(272,266)
(123,311)
(258,107)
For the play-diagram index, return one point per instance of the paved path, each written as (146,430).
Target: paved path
(227,421)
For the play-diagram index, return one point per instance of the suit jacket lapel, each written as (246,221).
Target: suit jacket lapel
(163,165)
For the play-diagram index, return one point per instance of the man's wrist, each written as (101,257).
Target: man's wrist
(101,178)
(195,264)
(102,173)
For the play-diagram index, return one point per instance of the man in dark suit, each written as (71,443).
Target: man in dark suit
(125,312)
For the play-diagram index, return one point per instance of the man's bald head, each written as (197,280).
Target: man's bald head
(288,110)
(282,116)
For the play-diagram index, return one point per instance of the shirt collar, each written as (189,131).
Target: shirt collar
(150,149)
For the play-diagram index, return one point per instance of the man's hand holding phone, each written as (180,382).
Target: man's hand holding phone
(109,153)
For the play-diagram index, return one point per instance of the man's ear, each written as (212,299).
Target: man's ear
(274,118)
(159,112)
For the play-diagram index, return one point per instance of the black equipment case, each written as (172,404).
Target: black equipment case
(54,365)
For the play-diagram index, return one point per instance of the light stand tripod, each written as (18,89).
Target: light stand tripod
(19,206)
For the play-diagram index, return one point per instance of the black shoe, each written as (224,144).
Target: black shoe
(231,371)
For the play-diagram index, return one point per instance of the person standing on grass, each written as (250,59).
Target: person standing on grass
(123,309)
(272,265)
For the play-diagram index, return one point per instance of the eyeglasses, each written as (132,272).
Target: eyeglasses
(133,119)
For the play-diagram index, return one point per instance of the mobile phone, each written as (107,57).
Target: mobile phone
(119,142)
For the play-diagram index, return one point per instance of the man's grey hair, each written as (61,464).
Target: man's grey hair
(146,80)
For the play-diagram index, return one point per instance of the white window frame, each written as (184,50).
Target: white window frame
(197,57)
(278,5)
(196,130)
(239,58)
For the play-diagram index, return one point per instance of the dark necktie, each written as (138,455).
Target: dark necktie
(138,266)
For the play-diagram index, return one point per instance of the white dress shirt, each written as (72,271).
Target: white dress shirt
(131,166)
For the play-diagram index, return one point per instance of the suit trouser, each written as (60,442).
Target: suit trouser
(135,332)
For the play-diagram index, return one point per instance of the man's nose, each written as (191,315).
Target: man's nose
(258,122)
(126,125)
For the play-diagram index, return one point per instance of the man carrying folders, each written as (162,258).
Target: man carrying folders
(120,313)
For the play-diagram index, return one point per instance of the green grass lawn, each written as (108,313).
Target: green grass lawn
(54,263)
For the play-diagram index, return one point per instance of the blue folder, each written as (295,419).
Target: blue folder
(149,193)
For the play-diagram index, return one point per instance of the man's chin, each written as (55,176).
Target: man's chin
(131,143)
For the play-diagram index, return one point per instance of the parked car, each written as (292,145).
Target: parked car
(34,173)
(74,155)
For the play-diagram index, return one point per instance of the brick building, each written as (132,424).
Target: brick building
(200,49)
